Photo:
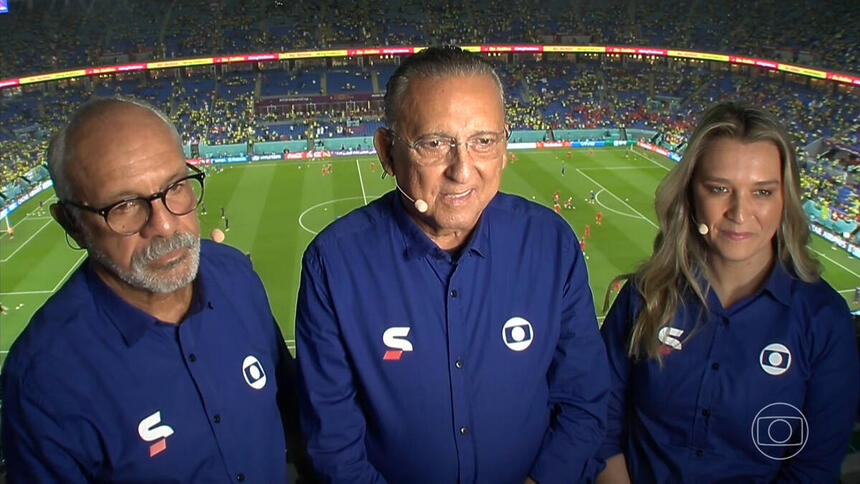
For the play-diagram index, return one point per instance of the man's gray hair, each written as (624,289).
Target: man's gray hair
(435,62)
(60,151)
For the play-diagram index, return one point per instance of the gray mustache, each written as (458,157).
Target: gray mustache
(163,246)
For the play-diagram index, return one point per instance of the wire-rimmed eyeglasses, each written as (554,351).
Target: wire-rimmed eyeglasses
(434,148)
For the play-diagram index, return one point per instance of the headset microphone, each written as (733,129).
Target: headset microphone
(419,204)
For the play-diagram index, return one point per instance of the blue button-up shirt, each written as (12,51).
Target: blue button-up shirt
(97,390)
(764,391)
(418,367)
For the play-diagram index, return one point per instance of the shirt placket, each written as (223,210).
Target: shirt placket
(455,319)
(705,410)
(196,361)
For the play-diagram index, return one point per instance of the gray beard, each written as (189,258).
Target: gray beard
(140,276)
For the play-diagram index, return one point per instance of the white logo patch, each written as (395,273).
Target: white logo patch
(395,338)
(150,431)
(253,372)
(775,359)
(669,337)
(517,333)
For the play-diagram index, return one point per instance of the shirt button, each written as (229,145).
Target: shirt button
(715,366)
(706,412)
(700,452)
(464,430)
(192,357)
(453,293)
(459,364)
(240,477)
(217,418)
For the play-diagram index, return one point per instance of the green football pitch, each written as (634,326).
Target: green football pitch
(275,209)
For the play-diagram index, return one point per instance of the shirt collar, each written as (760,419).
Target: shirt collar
(418,244)
(778,283)
(131,322)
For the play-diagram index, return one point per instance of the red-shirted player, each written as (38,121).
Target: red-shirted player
(598,217)
(557,207)
(372,166)
(582,245)
(587,231)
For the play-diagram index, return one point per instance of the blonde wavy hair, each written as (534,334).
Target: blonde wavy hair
(677,264)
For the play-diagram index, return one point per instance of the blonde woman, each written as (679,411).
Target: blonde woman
(731,360)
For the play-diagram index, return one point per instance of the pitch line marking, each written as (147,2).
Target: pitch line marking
(822,254)
(74,266)
(649,159)
(618,167)
(597,198)
(23,293)
(6,259)
(361,181)
(57,286)
(327,202)
(617,198)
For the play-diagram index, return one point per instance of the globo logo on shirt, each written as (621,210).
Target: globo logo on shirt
(517,333)
(253,372)
(775,359)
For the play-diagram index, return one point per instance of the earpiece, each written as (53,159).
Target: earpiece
(64,218)
(68,222)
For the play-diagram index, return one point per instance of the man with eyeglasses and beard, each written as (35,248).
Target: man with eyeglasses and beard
(159,360)
(446,331)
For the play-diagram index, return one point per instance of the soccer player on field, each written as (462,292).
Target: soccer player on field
(598,217)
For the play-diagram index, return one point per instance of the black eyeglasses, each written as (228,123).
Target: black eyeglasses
(432,149)
(129,216)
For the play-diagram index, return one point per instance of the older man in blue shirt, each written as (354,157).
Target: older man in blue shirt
(446,332)
(159,360)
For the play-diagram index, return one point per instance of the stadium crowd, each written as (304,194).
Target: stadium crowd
(817,34)
(590,92)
